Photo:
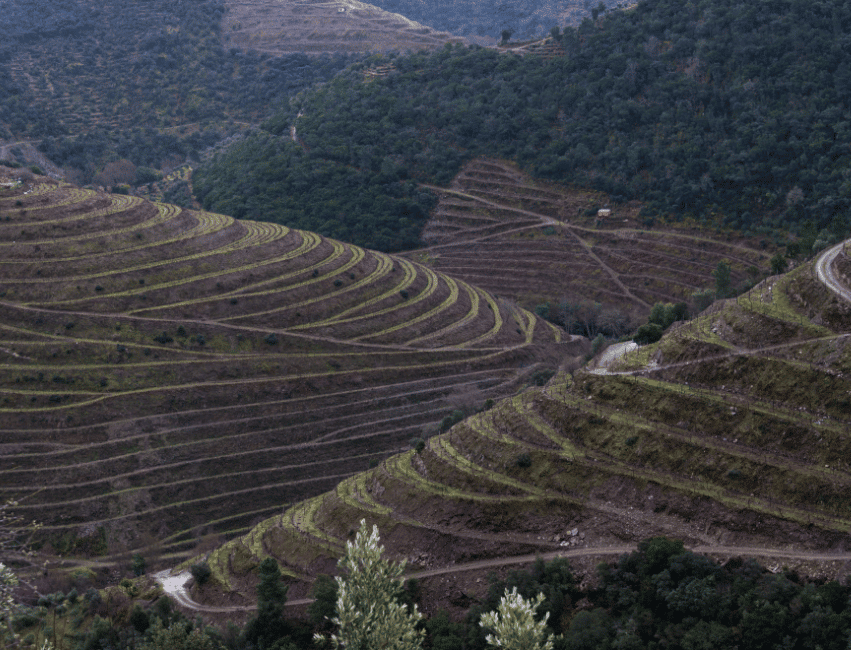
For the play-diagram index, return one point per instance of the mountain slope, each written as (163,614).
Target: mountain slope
(165,372)
(705,111)
(314,27)
(731,431)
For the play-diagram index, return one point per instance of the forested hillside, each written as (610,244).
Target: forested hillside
(727,112)
(102,83)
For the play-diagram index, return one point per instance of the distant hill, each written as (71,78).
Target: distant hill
(724,113)
(330,27)
(156,83)
(167,374)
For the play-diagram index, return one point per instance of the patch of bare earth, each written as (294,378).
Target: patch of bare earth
(317,27)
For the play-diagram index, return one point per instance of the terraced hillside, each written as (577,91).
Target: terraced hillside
(533,241)
(318,26)
(732,431)
(165,372)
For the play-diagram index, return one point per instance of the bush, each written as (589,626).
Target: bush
(201,572)
(648,333)
(93,597)
(138,565)
(23,621)
(145,175)
(541,377)
(139,619)
(163,338)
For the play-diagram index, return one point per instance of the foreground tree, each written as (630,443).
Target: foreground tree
(269,625)
(369,614)
(515,626)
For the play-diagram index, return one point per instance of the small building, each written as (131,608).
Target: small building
(602,213)
(341,10)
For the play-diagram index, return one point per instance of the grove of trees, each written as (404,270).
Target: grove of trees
(729,113)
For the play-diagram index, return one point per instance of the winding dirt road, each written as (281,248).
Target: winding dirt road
(824,269)
(175,586)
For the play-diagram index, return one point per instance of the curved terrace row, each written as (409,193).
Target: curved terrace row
(166,371)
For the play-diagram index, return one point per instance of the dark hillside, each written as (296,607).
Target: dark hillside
(725,112)
(90,77)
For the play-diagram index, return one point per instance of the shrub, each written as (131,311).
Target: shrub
(23,621)
(93,597)
(129,587)
(524,460)
(163,338)
(734,474)
(631,441)
(201,572)
(98,288)
(404,293)
(338,283)
(139,619)
(271,339)
(541,377)
(417,444)
(648,333)
(138,565)
(181,331)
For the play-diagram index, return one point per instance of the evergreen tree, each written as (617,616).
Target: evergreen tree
(269,625)
(515,626)
(369,614)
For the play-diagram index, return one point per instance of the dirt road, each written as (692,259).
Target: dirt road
(175,586)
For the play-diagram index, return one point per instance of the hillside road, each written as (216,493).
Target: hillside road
(175,586)
(824,269)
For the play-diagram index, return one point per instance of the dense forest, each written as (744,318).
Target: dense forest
(112,79)
(735,114)
(658,597)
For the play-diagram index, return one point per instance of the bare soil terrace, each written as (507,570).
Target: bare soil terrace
(169,375)
(532,241)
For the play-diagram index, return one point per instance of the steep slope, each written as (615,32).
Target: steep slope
(533,241)
(700,111)
(731,432)
(165,372)
(316,27)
